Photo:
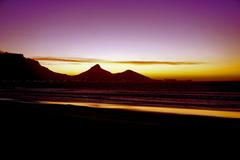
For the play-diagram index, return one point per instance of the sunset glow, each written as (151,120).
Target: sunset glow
(179,33)
(201,71)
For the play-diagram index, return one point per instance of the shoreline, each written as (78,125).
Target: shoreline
(154,109)
(19,115)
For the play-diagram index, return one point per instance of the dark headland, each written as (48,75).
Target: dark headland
(16,67)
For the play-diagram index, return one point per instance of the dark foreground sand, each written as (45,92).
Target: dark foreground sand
(63,126)
(21,116)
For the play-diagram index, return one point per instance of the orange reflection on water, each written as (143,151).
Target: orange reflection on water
(170,110)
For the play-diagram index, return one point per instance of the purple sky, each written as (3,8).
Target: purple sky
(164,30)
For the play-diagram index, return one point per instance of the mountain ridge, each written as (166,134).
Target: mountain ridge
(15,66)
(96,73)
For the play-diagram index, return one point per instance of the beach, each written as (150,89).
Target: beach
(22,115)
(87,109)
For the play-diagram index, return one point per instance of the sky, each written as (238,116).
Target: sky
(182,39)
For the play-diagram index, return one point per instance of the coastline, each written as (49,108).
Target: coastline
(21,115)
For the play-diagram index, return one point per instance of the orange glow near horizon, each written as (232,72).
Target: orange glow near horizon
(205,71)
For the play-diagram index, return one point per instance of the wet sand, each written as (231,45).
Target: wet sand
(21,116)
(155,109)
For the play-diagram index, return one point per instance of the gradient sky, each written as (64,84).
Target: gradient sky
(205,33)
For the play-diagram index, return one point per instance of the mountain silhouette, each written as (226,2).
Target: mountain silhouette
(17,67)
(130,75)
(97,74)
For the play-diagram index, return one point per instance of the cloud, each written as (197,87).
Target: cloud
(159,62)
(57,59)
(91,60)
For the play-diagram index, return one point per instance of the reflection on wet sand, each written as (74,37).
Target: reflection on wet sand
(169,110)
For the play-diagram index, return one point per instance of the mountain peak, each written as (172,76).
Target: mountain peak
(130,75)
(129,71)
(95,74)
(97,66)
